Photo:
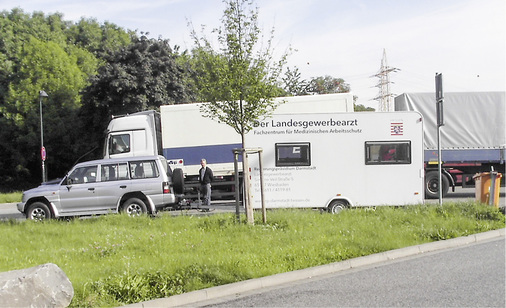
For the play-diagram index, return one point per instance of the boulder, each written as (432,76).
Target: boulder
(45,285)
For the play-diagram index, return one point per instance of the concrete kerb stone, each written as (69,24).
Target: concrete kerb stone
(279,279)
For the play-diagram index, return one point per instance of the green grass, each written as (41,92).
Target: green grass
(115,260)
(11,197)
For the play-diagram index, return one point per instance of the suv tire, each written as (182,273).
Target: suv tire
(178,181)
(38,211)
(134,207)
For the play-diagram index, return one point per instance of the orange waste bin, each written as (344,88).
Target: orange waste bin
(488,187)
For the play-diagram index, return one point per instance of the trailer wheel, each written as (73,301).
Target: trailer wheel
(178,181)
(432,185)
(337,206)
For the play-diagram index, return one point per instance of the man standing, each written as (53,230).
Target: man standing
(205,178)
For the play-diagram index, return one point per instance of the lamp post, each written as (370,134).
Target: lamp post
(42,148)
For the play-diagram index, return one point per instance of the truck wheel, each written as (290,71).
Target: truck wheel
(337,206)
(178,181)
(134,207)
(38,211)
(432,185)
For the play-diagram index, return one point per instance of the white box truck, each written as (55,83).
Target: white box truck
(338,160)
(184,136)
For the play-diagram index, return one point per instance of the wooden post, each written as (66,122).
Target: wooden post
(249,209)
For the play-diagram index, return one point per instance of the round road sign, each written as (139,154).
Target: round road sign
(43,153)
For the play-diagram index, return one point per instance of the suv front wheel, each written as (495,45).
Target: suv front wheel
(38,211)
(134,207)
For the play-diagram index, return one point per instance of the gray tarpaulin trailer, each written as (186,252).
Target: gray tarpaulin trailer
(472,139)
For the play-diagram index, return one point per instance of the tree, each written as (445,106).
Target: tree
(142,76)
(360,107)
(294,85)
(328,85)
(42,66)
(40,52)
(240,79)
(98,39)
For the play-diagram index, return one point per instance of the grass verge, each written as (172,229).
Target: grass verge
(11,197)
(115,260)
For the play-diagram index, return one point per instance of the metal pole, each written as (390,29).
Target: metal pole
(237,192)
(440,122)
(264,211)
(491,198)
(44,178)
(439,165)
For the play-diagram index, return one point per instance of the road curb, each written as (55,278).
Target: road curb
(278,279)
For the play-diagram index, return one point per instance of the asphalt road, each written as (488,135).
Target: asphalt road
(467,276)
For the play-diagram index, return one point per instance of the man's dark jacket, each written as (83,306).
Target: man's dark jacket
(208,176)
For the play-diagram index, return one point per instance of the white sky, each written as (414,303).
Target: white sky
(463,39)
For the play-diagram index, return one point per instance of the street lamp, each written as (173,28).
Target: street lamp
(42,148)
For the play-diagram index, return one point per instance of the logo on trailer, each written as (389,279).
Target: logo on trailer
(396,129)
(178,163)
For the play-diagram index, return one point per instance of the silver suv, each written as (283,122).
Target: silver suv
(134,185)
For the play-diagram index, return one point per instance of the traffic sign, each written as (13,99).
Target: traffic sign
(43,153)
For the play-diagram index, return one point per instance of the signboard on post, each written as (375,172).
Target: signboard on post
(439,99)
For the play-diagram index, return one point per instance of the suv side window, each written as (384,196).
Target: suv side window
(143,169)
(82,175)
(114,172)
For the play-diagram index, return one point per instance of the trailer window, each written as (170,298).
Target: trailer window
(387,152)
(119,144)
(293,154)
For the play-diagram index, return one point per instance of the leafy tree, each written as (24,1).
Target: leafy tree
(240,79)
(327,85)
(39,52)
(293,84)
(43,66)
(98,39)
(142,76)
(361,107)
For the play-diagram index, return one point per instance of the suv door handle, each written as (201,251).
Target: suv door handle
(123,186)
(91,189)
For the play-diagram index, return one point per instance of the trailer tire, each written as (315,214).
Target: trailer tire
(432,185)
(178,181)
(337,206)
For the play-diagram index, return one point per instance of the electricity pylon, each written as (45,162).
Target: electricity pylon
(384,97)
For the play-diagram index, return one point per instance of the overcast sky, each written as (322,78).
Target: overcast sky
(463,39)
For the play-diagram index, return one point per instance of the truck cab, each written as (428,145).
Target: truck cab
(138,134)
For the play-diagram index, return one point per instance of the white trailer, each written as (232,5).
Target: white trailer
(337,160)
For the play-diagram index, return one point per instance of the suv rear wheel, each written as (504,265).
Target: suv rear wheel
(134,207)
